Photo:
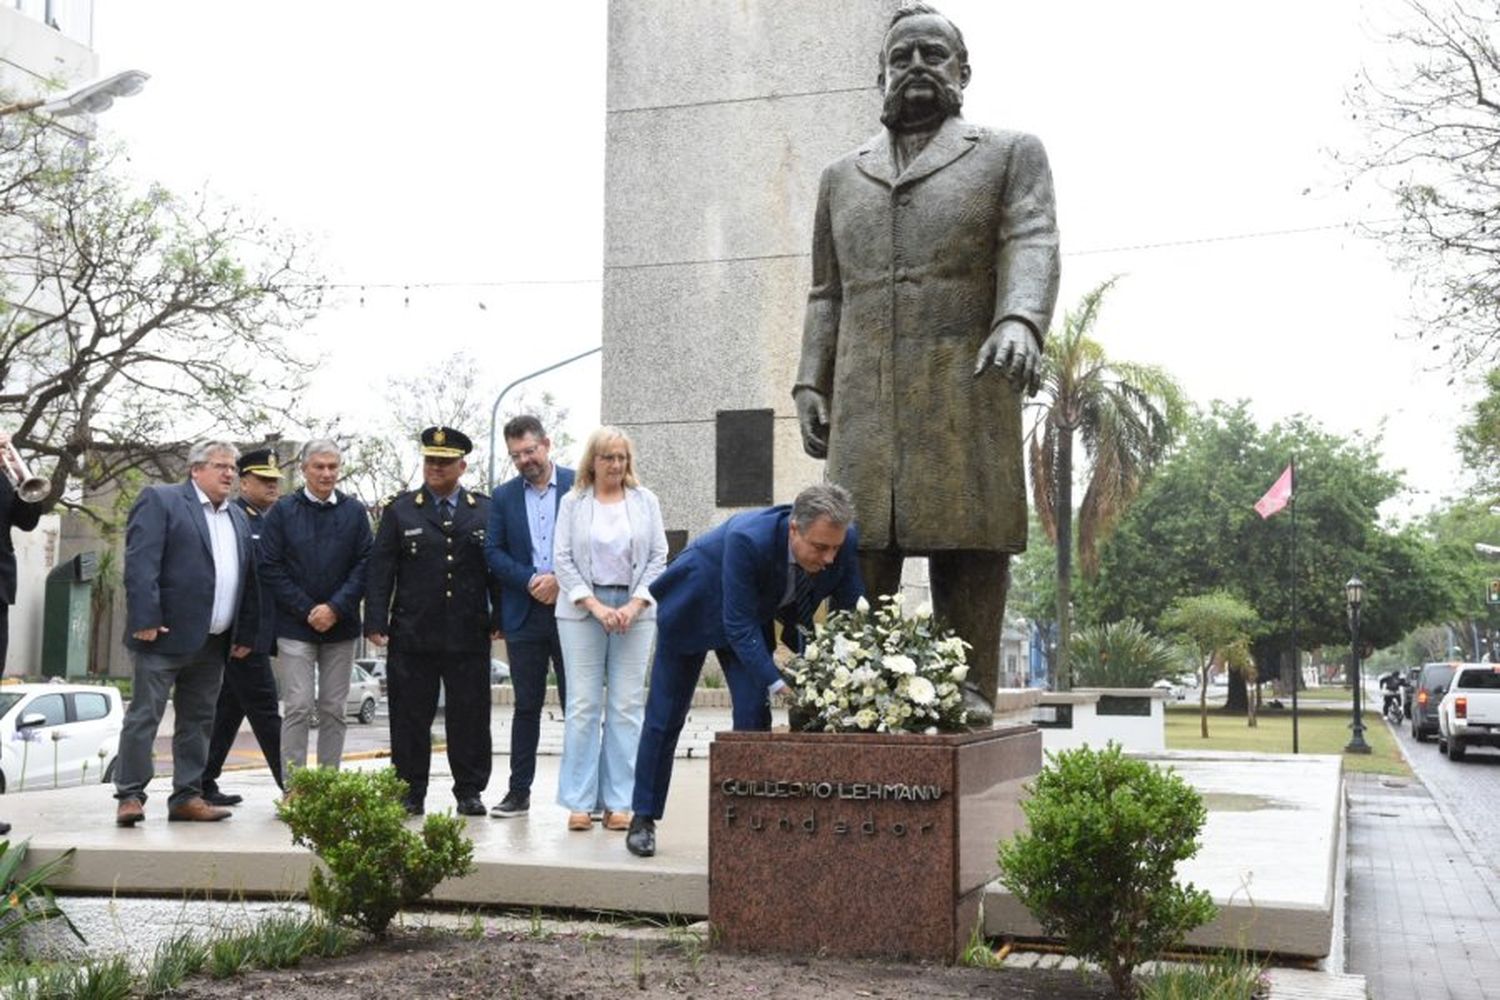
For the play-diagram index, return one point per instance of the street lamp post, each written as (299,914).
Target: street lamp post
(1354,592)
(89,99)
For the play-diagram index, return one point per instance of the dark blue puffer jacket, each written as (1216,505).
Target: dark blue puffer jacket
(315,554)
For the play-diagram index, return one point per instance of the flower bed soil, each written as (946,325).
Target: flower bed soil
(574,967)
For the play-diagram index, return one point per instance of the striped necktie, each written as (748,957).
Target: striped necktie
(802,597)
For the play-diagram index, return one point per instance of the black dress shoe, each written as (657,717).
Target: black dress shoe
(641,839)
(218,798)
(4,828)
(414,807)
(471,806)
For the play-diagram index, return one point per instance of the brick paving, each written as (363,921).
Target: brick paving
(1423,909)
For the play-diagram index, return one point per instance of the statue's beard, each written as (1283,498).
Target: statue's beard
(900,115)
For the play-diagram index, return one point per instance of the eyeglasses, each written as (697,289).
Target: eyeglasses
(613,457)
(222,466)
(525,454)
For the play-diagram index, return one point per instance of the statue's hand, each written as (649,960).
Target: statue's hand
(812,416)
(1013,349)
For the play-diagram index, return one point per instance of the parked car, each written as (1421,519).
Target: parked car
(1431,685)
(52,735)
(1174,690)
(499,671)
(375,667)
(364,695)
(1469,714)
(1408,690)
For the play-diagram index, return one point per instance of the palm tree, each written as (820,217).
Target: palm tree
(1125,414)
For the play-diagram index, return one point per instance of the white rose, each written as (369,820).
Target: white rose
(901,665)
(862,606)
(842,648)
(866,718)
(841,677)
(924,610)
(960,672)
(811,655)
(921,691)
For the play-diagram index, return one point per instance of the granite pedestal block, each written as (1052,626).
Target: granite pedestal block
(860,845)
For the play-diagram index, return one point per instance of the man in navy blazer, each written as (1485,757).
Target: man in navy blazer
(725,593)
(191,603)
(518,549)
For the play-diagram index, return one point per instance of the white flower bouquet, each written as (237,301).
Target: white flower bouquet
(879,671)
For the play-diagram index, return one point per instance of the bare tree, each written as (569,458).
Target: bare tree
(133,322)
(1433,121)
(451,393)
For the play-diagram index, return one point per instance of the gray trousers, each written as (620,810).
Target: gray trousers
(302,667)
(192,680)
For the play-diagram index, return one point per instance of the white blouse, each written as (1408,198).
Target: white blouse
(609,545)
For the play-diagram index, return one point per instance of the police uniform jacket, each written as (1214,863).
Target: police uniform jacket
(265,635)
(429,587)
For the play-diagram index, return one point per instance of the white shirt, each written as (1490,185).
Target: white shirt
(226,552)
(609,544)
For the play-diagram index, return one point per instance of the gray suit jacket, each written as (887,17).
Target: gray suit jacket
(572,558)
(169,572)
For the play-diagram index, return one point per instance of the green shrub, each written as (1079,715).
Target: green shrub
(1123,654)
(27,900)
(1097,866)
(355,822)
(1225,976)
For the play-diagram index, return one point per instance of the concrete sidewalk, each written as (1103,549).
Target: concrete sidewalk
(1423,909)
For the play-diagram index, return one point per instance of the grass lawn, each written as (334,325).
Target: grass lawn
(1318,731)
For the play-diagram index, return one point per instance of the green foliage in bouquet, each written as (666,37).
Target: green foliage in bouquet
(879,671)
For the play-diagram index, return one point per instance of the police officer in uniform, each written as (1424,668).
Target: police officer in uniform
(431,598)
(249,688)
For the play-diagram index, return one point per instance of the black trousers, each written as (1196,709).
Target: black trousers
(412,679)
(248,692)
(4,633)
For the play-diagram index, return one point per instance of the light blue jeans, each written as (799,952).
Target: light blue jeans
(606,702)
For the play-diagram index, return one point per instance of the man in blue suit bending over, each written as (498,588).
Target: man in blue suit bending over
(725,593)
(518,549)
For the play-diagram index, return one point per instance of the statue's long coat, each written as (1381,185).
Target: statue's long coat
(910,275)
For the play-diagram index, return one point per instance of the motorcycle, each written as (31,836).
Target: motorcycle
(1391,708)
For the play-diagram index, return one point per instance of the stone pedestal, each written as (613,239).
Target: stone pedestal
(860,845)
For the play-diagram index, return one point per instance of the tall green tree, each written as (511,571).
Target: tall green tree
(1194,530)
(1218,626)
(1124,414)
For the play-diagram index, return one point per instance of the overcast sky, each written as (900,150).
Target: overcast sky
(422,144)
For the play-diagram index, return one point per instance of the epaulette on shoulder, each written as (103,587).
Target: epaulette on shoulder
(392,499)
(474,496)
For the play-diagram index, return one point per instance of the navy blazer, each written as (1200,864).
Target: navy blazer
(724,590)
(507,546)
(169,572)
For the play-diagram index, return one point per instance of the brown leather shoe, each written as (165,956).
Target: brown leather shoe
(195,810)
(617,821)
(579,821)
(129,812)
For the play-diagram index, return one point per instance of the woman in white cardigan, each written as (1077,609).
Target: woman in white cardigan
(610,546)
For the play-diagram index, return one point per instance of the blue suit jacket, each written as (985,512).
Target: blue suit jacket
(507,546)
(169,572)
(724,590)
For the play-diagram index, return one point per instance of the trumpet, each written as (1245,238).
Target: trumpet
(29,487)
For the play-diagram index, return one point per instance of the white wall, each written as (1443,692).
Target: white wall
(1133,732)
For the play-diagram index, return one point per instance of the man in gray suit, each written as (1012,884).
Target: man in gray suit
(191,604)
(935,270)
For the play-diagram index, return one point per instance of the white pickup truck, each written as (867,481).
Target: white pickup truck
(1469,714)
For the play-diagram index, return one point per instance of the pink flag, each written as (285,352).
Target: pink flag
(1277,496)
